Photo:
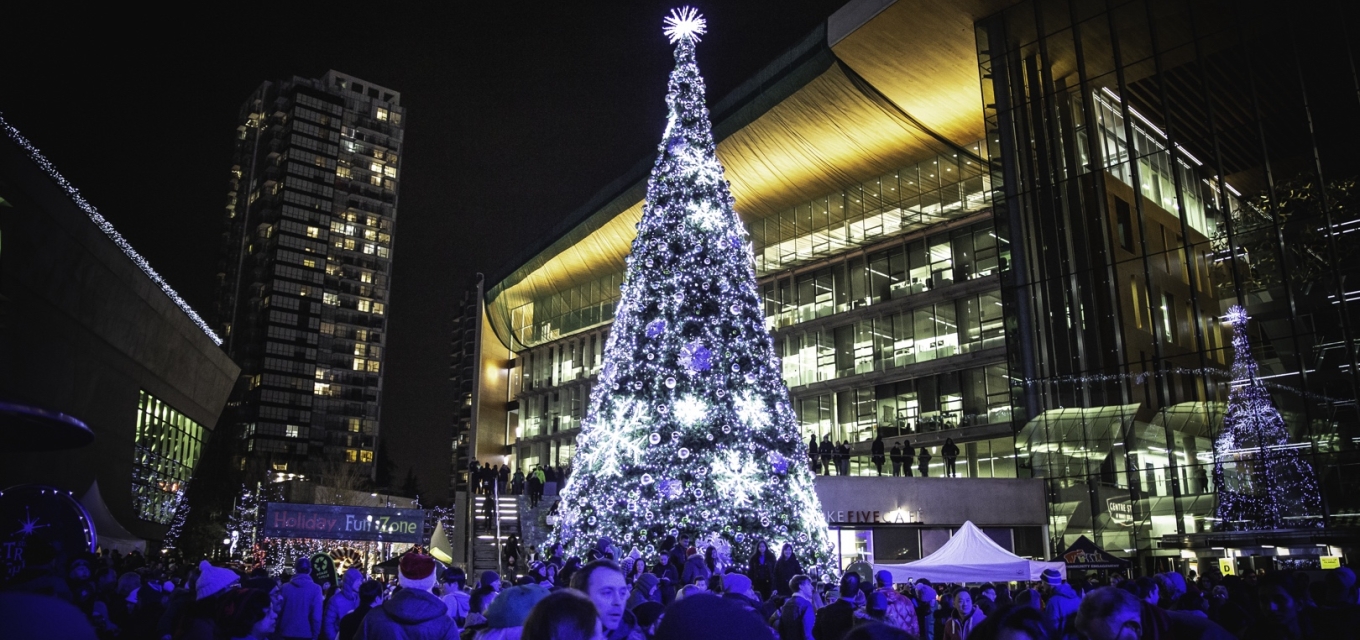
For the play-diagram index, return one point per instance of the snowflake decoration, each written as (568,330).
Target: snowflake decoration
(706,216)
(685,23)
(690,410)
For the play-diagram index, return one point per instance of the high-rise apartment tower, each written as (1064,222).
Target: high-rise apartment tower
(304,278)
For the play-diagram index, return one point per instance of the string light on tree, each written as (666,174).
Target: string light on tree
(1263,481)
(689,428)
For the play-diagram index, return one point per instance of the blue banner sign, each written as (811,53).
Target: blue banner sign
(334,522)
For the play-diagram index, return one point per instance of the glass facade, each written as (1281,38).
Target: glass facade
(304,291)
(166,448)
(1153,164)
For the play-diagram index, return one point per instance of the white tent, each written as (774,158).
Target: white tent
(970,556)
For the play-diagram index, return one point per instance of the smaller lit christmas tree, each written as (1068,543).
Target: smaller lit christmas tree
(181,510)
(1263,481)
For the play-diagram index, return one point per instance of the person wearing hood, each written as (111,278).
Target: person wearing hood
(644,590)
(413,611)
(785,568)
(601,551)
(695,568)
(964,618)
(456,597)
(602,581)
(1060,604)
(301,608)
(345,601)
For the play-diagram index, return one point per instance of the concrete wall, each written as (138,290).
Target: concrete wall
(82,330)
(852,500)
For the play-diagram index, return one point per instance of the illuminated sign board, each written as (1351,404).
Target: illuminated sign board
(335,522)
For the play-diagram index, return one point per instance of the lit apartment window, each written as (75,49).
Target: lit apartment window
(351,455)
(365,456)
(382,114)
(165,449)
(291,431)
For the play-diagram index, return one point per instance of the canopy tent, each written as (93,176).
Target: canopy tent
(1084,554)
(970,556)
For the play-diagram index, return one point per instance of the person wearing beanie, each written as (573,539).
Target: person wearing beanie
(195,619)
(741,590)
(507,613)
(412,612)
(1060,603)
(343,602)
(644,590)
(213,580)
(370,595)
(300,611)
(711,618)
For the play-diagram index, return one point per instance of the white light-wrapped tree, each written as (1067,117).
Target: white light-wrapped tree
(689,428)
(1264,481)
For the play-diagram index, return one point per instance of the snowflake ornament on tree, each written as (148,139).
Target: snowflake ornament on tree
(1263,481)
(690,429)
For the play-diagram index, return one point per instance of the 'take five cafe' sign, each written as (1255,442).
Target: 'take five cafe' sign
(334,522)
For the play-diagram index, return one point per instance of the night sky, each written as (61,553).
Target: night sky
(516,114)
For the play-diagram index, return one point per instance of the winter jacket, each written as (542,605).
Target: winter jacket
(695,568)
(644,590)
(784,571)
(834,620)
(410,614)
(627,629)
(1060,612)
(459,604)
(796,619)
(349,624)
(901,612)
(959,627)
(345,601)
(300,612)
(760,569)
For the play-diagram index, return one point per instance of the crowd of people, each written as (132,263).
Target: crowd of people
(828,458)
(487,479)
(683,592)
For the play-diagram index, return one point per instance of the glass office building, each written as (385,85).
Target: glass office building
(1023,236)
(1157,163)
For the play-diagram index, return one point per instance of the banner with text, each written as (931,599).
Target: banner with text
(333,522)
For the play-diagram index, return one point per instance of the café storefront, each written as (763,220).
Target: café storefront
(896,520)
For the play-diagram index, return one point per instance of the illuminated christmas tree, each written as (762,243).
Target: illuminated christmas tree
(1263,481)
(690,428)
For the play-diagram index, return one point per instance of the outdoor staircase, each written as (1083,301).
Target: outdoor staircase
(533,522)
(485,543)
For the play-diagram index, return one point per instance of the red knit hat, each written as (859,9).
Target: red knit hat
(417,571)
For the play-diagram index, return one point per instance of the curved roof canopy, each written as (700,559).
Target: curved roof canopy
(889,92)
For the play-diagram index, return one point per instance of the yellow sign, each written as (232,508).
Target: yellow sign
(1225,566)
(1331,562)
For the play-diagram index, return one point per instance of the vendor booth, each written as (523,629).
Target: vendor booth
(970,556)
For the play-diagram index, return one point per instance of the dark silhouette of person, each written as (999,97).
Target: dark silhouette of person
(950,451)
(876,453)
